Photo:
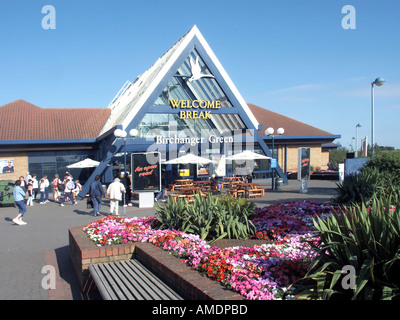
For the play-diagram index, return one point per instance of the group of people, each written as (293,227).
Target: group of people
(68,189)
(30,186)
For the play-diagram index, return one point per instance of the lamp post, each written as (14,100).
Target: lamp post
(270,132)
(357,126)
(378,82)
(121,134)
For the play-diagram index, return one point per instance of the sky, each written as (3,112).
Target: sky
(311,60)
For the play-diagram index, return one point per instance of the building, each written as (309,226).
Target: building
(184,103)
(297,134)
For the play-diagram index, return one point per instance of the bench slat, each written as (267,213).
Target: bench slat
(101,282)
(163,291)
(129,280)
(133,277)
(114,281)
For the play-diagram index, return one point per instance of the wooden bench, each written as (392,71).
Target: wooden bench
(188,197)
(129,280)
(235,192)
(255,193)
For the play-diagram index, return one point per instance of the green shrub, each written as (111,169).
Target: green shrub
(368,184)
(367,238)
(212,217)
(357,188)
(388,162)
(171,215)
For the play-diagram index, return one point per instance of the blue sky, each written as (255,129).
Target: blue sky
(292,57)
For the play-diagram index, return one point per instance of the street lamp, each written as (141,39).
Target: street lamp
(357,126)
(270,132)
(378,82)
(121,134)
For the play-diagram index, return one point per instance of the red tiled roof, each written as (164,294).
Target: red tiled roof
(275,120)
(21,120)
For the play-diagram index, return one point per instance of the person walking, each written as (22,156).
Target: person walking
(19,196)
(55,183)
(28,176)
(46,188)
(30,193)
(114,191)
(35,186)
(126,181)
(42,187)
(77,189)
(96,192)
(69,186)
(23,185)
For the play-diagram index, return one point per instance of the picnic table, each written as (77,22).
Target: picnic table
(188,193)
(247,189)
(183,181)
(180,183)
(202,183)
(230,181)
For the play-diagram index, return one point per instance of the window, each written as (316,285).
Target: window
(52,162)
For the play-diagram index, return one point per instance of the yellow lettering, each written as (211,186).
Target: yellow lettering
(195,104)
(175,103)
(204,115)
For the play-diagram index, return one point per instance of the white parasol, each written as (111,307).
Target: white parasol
(87,163)
(189,158)
(247,155)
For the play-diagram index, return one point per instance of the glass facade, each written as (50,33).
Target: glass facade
(169,124)
(181,88)
(222,123)
(51,162)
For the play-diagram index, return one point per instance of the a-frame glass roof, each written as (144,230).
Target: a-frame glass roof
(183,86)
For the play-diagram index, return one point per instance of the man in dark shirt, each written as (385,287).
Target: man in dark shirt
(96,192)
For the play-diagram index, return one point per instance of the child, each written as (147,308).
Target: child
(77,189)
(42,187)
(30,193)
(56,184)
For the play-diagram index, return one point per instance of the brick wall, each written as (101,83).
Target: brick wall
(319,159)
(84,252)
(180,277)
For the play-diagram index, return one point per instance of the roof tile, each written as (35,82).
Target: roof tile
(21,120)
(275,120)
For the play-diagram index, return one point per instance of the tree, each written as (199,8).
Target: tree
(337,155)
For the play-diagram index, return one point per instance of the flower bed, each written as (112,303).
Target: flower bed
(260,272)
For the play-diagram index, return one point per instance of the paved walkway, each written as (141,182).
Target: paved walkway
(25,250)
